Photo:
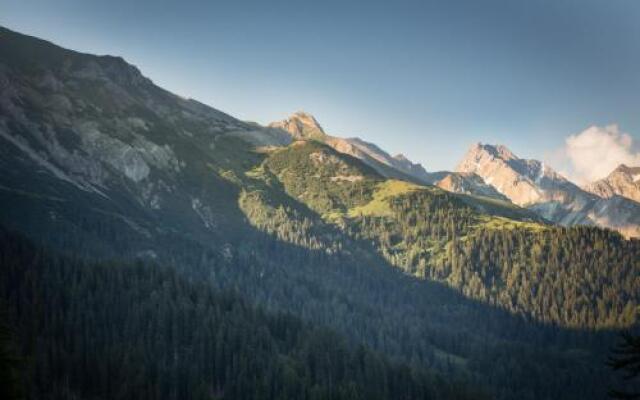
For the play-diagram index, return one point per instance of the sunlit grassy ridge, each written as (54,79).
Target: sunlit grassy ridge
(343,191)
(312,196)
(379,205)
(497,222)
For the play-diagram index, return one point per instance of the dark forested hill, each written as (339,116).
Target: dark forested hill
(138,331)
(103,167)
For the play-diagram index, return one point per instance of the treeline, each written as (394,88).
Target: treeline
(138,331)
(289,260)
(579,277)
(344,284)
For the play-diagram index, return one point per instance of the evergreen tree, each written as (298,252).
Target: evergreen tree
(625,358)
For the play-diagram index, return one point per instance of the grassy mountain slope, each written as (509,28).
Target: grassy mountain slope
(433,234)
(99,162)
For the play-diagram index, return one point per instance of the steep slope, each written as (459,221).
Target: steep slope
(302,125)
(219,351)
(81,132)
(99,162)
(532,184)
(469,183)
(623,181)
(419,228)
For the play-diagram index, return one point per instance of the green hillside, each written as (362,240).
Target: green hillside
(102,168)
(523,265)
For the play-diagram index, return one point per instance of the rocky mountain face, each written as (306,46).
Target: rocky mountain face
(89,145)
(524,182)
(302,125)
(469,183)
(99,162)
(623,181)
(532,184)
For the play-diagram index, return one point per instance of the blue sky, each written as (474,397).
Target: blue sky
(423,78)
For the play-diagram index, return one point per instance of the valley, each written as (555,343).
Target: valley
(303,264)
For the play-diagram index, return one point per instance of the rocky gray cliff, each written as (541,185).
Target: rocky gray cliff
(535,185)
(623,181)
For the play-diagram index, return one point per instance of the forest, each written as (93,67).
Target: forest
(138,331)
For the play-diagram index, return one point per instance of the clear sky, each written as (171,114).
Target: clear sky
(423,78)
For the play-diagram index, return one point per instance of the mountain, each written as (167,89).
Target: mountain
(302,125)
(469,183)
(91,146)
(623,181)
(532,184)
(103,170)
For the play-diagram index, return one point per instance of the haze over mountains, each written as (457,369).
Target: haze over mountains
(334,253)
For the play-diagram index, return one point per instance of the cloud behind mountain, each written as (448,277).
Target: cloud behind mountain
(593,153)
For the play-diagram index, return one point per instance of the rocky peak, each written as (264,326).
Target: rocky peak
(301,125)
(624,169)
(623,181)
(524,182)
(535,185)
(496,151)
(118,70)
(503,152)
(468,183)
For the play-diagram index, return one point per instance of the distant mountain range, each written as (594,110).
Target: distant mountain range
(623,181)
(495,172)
(464,276)
(532,184)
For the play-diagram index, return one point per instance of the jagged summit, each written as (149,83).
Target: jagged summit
(497,149)
(623,181)
(535,185)
(301,125)
(627,169)
(469,183)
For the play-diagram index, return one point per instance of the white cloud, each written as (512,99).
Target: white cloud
(596,151)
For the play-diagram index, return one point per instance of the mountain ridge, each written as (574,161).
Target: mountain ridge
(623,181)
(442,281)
(303,125)
(535,185)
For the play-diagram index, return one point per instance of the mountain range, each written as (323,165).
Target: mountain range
(495,172)
(623,181)
(495,277)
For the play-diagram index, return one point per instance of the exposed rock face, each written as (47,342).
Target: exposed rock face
(532,184)
(415,169)
(302,125)
(102,148)
(92,133)
(469,183)
(623,181)
(525,182)
(374,156)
